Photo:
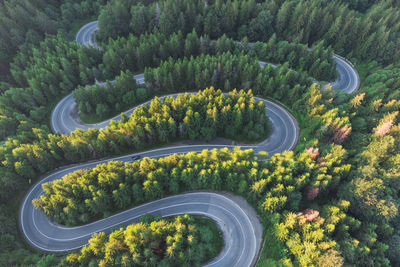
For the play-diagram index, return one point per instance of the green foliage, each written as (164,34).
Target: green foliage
(147,34)
(317,62)
(308,241)
(374,190)
(202,116)
(73,12)
(274,185)
(372,36)
(206,18)
(51,70)
(24,22)
(221,71)
(106,100)
(183,240)
(135,53)
(149,50)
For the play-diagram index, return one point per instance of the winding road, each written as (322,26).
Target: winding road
(347,81)
(238,221)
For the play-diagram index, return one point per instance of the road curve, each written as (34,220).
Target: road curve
(283,134)
(85,34)
(65,119)
(237,220)
(347,81)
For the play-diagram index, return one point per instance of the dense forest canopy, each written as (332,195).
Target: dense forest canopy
(217,170)
(333,201)
(184,240)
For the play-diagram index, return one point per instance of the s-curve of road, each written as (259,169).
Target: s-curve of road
(347,81)
(238,221)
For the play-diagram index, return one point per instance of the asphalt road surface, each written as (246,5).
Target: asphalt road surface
(238,222)
(347,80)
(65,118)
(85,34)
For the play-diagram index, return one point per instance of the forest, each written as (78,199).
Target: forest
(333,201)
(184,240)
(217,170)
